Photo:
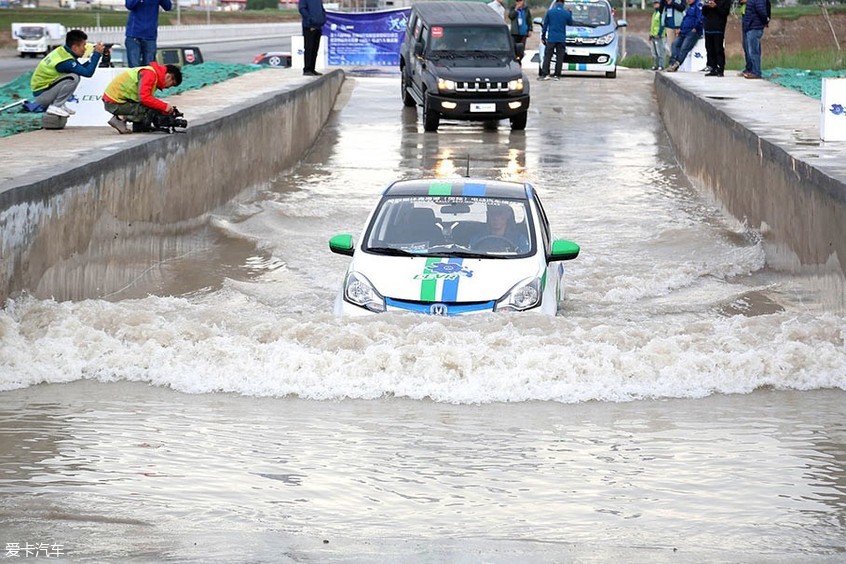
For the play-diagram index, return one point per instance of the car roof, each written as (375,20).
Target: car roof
(457,13)
(475,187)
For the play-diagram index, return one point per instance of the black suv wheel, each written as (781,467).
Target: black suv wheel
(431,118)
(518,122)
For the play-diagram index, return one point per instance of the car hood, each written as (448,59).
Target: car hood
(582,31)
(452,280)
(458,69)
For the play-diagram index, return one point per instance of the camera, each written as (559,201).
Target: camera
(157,121)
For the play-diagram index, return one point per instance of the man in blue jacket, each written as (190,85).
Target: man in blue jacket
(314,16)
(755,19)
(690,32)
(142,30)
(554,37)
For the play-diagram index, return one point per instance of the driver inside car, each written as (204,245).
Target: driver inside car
(501,232)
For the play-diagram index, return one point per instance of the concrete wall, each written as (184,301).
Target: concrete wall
(65,235)
(799,208)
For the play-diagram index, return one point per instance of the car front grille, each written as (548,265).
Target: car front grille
(481,87)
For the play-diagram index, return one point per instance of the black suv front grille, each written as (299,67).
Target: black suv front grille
(481,87)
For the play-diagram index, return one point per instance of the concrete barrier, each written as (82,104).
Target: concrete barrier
(755,146)
(90,227)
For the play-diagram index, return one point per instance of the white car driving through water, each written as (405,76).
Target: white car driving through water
(454,246)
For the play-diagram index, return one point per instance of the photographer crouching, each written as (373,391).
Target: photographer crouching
(130,96)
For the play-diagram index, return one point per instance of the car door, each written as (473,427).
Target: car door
(553,290)
(418,63)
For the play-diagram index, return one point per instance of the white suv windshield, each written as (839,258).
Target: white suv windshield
(451,226)
(589,14)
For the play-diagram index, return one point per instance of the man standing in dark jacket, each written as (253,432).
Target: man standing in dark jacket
(314,16)
(142,30)
(521,26)
(554,37)
(755,19)
(715,15)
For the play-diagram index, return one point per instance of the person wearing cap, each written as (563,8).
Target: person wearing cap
(57,76)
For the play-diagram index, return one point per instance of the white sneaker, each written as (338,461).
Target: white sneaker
(67,109)
(545,77)
(57,111)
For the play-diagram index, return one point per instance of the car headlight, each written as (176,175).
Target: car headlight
(605,39)
(523,296)
(359,291)
(444,84)
(516,85)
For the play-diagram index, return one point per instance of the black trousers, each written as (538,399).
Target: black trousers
(311,43)
(715,50)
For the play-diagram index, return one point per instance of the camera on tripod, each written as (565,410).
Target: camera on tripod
(157,121)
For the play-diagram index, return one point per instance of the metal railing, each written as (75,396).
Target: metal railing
(200,33)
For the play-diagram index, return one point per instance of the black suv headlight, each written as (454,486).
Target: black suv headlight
(445,85)
(515,85)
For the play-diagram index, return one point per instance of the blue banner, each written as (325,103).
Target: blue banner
(365,38)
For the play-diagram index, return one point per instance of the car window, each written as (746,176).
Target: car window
(470,38)
(452,225)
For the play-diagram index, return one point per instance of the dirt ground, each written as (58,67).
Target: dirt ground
(809,33)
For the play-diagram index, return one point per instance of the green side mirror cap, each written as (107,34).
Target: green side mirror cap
(342,244)
(564,250)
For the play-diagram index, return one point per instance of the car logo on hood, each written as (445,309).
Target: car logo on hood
(438,309)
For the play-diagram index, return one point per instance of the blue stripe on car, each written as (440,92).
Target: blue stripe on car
(472,189)
(449,293)
(451,308)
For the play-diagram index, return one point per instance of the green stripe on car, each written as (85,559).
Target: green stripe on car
(429,288)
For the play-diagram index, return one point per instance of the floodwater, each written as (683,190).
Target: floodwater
(688,404)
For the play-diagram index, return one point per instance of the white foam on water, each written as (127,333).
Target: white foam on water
(231,341)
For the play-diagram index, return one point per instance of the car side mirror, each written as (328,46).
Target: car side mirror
(537,21)
(342,244)
(622,23)
(418,49)
(563,250)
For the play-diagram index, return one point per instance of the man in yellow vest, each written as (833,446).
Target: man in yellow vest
(130,96)
(57,75)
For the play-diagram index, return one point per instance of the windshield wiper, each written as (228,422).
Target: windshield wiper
(484,54)
(393,251)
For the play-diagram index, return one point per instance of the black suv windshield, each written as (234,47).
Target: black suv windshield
(468,39)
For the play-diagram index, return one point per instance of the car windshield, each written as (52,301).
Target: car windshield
(31,33)
(451,226)
(589,14)
(469,39)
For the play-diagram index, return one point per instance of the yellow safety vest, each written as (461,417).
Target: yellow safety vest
(45,73)
(124,87)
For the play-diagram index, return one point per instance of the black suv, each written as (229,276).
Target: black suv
(458,62)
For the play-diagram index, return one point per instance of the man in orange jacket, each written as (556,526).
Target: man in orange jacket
(130,96)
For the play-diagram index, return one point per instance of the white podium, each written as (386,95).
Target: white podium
(87,101)
(298,53)
(697,58)
(833,109)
